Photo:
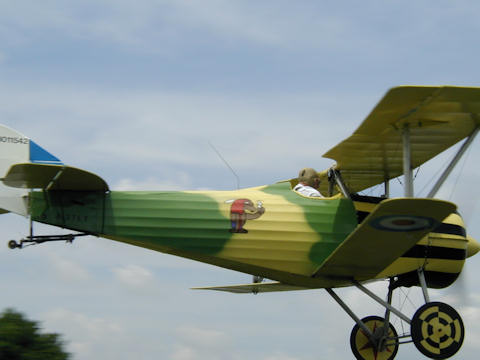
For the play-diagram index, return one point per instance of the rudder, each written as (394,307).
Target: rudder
(17,148)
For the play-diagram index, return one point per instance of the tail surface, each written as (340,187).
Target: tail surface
(16,148)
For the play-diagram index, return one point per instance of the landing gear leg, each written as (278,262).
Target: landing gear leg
(384,332)
(373,337)
(39,239)
(423,284)
(436,329)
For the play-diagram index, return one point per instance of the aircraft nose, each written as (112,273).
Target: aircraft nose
(472,247)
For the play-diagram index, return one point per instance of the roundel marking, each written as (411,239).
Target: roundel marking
(402,223)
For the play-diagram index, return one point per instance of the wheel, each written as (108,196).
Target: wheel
(12,244)
(364,349)
(437,330)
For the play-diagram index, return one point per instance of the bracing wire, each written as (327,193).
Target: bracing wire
(407,298)
(436,174)
(371,190)
(459,174)
(402,305)
(416,173)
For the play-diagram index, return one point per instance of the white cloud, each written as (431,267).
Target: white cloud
(86,337)
(69,270)
(179,181)
(155,135)
(184,353)
(201,337)
(93,326)
(161,26)
(199,343)
(134,276)
(141,25)
(471,318)
(266,25)
(280,356)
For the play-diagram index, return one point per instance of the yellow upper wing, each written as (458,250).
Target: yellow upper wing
(438,117)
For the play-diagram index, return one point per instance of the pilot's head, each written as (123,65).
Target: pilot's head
(309,176)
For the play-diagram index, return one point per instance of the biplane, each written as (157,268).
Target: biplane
(272,232)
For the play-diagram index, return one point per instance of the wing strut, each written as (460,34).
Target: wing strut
(334,176)
(453,163)
(407,161)
(386,186)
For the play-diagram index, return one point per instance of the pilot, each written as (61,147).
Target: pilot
(308,183)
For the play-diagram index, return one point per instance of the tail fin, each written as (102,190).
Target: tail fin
(16,148)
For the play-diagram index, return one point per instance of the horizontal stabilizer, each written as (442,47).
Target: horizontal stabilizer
(53,177)
(393,227)
(254,288)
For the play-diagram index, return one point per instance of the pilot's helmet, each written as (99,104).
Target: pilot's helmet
(308,176)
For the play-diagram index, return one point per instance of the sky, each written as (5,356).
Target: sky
(137,91)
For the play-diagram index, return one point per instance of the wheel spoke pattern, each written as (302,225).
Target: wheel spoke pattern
(364,349)
(437,330)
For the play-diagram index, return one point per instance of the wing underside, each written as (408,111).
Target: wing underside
(53,177)
(254,288)
(437,118)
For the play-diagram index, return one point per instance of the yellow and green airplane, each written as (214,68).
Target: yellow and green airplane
(338,240)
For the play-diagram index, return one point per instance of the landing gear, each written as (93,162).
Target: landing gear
(39,239)
(436,329)
(383,345)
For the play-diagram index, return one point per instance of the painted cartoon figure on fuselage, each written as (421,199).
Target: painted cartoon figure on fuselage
(242,210)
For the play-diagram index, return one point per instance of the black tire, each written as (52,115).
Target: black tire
(437,330)
(12,244)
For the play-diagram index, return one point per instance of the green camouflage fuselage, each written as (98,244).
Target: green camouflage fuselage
(269,231)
